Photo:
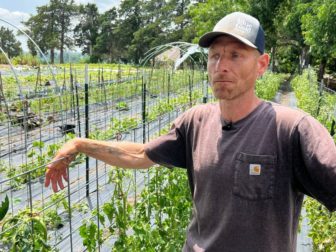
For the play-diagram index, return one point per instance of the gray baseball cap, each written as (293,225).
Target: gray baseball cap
(243,27)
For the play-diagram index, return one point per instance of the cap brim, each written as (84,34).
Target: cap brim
(207,39)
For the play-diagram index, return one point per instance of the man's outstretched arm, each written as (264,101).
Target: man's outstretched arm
(121,154)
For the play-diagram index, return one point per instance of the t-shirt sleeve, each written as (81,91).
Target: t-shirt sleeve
(317,149)
(170,149)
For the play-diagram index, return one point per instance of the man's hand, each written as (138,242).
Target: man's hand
(57,169)
(121,154)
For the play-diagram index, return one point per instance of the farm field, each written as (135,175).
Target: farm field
(102,206)
(126,104)
(133,105)
(124,71)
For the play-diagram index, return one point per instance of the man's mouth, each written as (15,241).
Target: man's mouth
(223,81)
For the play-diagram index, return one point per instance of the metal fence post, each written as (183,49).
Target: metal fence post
(86,87)
(143,110)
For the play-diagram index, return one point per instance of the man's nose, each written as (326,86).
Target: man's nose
(222,64)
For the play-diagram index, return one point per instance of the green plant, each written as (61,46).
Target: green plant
(4,208)
(321,105)
(322,225)
(306,91)
(26,59)
(161,214)
(269,84)
(91,235)
(122,106)
(25,231)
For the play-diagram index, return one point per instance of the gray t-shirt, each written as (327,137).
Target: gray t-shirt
(248,182)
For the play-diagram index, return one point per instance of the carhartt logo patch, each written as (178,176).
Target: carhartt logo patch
(255,169)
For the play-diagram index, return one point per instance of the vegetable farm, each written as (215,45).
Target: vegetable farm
(123,209)
(119,89)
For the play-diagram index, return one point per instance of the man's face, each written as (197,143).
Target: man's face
(233,68)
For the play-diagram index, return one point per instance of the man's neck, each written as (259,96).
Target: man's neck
(234,110)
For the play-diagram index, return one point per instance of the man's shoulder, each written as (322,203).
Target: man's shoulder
(287,115)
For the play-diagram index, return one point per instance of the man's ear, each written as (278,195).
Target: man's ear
(263,61)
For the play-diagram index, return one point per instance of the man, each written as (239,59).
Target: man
(249,162)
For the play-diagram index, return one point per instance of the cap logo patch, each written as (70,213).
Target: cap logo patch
(243,26)
(255,169)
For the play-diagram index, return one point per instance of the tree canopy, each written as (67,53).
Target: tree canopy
(298,32)
(8,42)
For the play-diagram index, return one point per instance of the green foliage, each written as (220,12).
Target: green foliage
(294,29)
(25,231)
(288,59)
(86,31)
(318,31)
(4,208)
(162,214)
(268,85)
(90,235)
(322,225)
(206,14)
(107,43)
(3,59)
(322,106)
(306,91)
(26,59)
(266,12)
(50,28)
(8,42)
(122,106)
(156,221)
(318,27)
(42,29)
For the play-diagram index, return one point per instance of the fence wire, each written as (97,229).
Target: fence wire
(119,103)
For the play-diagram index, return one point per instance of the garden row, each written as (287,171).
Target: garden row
(24,179)
(59,111)
(320,102)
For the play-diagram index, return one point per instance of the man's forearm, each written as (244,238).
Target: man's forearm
(121,154)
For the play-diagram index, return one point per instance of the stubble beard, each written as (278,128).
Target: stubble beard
(228,94)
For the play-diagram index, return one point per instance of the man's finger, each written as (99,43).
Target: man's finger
(47,180)
(65,174)
(54,185)
(59,181)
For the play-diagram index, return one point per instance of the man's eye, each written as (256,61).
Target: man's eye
(235,55)
(214,56)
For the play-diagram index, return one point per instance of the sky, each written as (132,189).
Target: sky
(16,11)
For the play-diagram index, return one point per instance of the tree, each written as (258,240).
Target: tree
(153,30)
(51,27)
(206,14)
(292,53)
(129,21)
(87,30)
(43,30)
(8,42)
(65,11)
(266,12)
(181,29)
(318,31)
(107,47)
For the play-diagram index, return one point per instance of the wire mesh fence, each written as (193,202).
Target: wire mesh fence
(40,111)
